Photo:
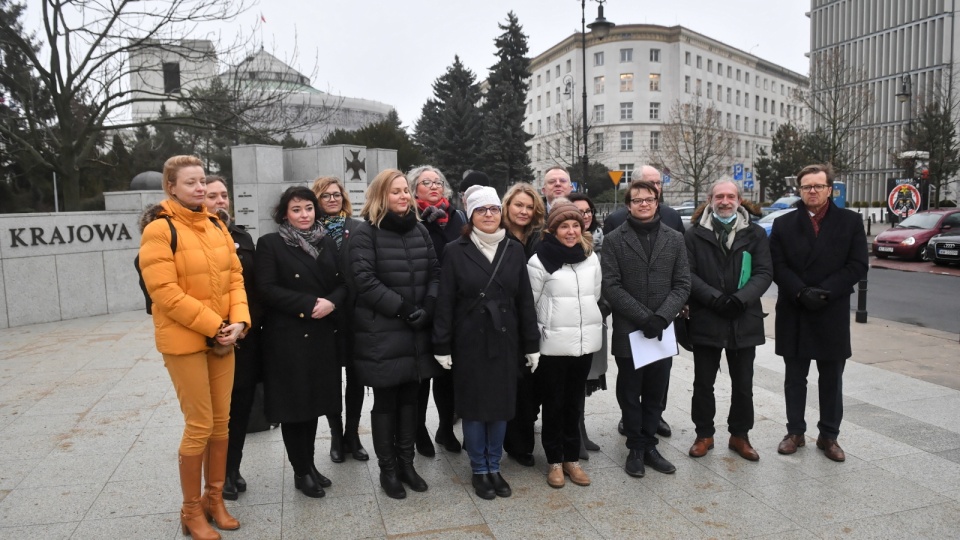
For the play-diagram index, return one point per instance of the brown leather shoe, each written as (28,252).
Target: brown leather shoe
(555,476)
(831,449)
(577,475)
(741,445)
(790,443)
(701,446)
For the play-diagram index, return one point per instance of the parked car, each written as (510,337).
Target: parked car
(685,213)
(785,202)
(944,249)
(908,239)
(767,221)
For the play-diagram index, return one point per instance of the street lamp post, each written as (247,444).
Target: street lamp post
(569,87)
(600,28)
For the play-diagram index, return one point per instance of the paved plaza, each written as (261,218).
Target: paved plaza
(89,430)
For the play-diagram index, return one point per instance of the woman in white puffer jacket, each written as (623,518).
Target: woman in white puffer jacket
(565,278)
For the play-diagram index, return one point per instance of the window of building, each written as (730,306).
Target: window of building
(626,111)
(626,82)
(626,55)
(598,58)
(699,62)
(598,114)
(738,97)
(598,142)
(764,127)
(530,128)
(558,71)
(654,111)
(746,149)
(746,124)
(569,65)
(766,82)
(746,99)
(548,98)
(729,72)
(756,101)
(654,82)
(709,90)
(756,81)
(773,127)
(538,103)
(654,55)
(538,152)
(539,127)
(686,58)
(549,124)
(626,141)
(773,106)
(627,169)
(598,85)
(719,92)
(738,147)
(720,68)
(729,121)
(782,90)
(171,77)
(699,86)
(548,75)
(738,123)
(738,75)
(538,81)
(558,94)
(781,109)
(746,77)
(729,94)
(709,65)
(756,127)
(764,104)
(654,140)
(686,84)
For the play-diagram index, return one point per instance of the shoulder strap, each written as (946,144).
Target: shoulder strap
(493,274)
(173,234)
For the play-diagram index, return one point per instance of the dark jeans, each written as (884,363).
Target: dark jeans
(299,439)
(484,444)
(560,381)
(831,395)
(640,395)
(247,373)
(520,438)
(706,363)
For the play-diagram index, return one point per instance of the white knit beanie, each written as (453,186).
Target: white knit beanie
(484,196)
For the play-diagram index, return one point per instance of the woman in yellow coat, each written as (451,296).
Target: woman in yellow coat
(195,281)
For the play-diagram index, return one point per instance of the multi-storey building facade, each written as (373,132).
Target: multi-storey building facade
(635,76)
(905,47)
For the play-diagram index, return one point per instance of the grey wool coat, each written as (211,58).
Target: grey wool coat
(638,287)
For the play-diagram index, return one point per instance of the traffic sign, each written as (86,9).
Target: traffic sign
(576,186)
(738,171)
(615,177)
(748,180)
(666,179)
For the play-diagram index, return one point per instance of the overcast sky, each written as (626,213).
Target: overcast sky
(392,51)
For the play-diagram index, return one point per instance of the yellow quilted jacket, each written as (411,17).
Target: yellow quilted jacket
(196,288)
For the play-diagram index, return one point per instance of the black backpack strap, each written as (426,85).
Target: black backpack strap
(173,234)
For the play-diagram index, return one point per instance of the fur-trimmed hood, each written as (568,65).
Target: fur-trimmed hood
(149,214)
(751,207)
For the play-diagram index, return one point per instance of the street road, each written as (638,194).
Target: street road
(922,299)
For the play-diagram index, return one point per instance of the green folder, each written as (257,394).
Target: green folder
(745,269)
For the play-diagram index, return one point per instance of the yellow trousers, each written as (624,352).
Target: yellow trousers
(203,382)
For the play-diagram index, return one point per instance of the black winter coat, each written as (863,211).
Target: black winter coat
(638,287)
(388,268)
(834,260)
(441,236)
(713,274)
(345,320)
(487,337)
(301,369)
(248,362)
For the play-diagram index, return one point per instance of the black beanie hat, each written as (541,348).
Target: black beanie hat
(474,178)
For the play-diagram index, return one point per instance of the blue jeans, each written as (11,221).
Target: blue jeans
(484,444)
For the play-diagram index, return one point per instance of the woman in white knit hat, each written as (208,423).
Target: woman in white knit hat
(485,321)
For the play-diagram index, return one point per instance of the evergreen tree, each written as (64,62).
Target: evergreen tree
(450,126)
(504,153)
(387,133)
(935,132)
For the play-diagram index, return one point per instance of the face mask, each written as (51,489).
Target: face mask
(725,221)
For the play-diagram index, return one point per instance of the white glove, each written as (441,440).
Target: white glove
(445,360)
(533,360)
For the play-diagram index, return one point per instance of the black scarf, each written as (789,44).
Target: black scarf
(394,222)
(553,254)
(646,232)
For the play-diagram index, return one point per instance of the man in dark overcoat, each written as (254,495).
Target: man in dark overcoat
(819,253)
(730,269)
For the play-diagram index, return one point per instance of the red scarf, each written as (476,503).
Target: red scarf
(442,204)
(816,218)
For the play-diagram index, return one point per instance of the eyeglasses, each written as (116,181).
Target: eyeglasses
(488,210)
(328,196)
(641,202)
(586,212)
(432,183)
(814,188)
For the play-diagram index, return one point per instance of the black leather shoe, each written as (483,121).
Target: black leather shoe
(424,444)
(308,485)
(500,486)
(336,448)
(448,441)
(240,482)
(409,476)
(527,460)
(663,429)
(483,487)
(230,487)
(634,466)
(657,462)
(352,444)
(322,480)
(620,429)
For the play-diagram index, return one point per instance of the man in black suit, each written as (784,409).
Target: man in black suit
(819,253)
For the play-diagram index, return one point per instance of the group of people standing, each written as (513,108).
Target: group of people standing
(501,303)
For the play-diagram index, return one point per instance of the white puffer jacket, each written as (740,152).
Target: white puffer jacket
(567,313)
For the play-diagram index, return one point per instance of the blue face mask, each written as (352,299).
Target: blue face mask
(725,221)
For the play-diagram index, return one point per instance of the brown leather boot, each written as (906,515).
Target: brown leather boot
(831,449)
(741,445)
(192,520)
(215,472)
(790,443)
(701,446)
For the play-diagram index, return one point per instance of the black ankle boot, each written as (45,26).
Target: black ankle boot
(448,440)
(384,426)
(336,439)
(423,442)
(352,444)
(230,492)
(585,441)
(406,435)
(308,485)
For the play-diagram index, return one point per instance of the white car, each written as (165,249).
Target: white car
(686,212)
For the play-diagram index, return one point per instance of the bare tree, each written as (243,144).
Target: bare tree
(84,64)
(840,102)
(694,145)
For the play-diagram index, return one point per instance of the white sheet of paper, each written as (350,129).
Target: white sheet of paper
(647,351)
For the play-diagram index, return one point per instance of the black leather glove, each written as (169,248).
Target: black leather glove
(732,307)
(814,298)
(405,310)
(432,213)
(418,319)
(717,304)
(654,327)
